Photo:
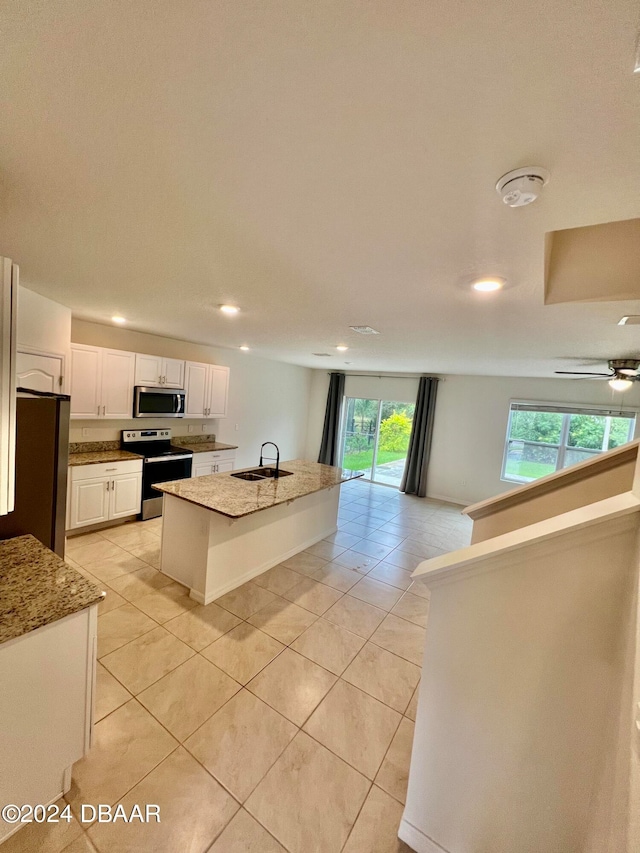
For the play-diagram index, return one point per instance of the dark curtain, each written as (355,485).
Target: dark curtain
(329,447)
(414,479)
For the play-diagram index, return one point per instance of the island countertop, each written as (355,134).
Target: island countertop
(37,587)
(235,498)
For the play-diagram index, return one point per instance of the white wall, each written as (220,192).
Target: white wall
(43,324)
(470,422)
(268,400)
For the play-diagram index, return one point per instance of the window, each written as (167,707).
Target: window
(542,438)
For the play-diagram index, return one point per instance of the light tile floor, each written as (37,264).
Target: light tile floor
(279,718)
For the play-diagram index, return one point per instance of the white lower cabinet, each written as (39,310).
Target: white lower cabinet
(213,462)
(89,502)
(46,712)
(103,492)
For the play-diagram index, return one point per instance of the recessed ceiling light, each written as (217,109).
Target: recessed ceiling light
(244,348)
(364,330)
(229,309)
(630,320)
(488,285)
(342,348)
(118,319)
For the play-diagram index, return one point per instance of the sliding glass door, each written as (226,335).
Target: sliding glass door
(376,438)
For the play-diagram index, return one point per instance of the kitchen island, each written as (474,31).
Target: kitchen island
(220,531)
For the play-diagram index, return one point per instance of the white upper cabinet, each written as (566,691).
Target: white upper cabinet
(40,372)
(148,369)
(218,391)
(117,383)
(207,387)
(196,384)
(173,373)
(101,382)
(86,381)
(8,318)
(153,370)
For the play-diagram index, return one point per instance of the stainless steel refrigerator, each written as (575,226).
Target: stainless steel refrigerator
(42,457)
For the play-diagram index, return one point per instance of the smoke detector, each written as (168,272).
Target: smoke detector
(522,186)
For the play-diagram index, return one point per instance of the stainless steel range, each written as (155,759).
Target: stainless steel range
(163,461)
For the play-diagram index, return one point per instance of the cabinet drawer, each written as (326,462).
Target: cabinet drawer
(105,469)
(214,456)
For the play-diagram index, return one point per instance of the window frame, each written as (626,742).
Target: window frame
(566,410)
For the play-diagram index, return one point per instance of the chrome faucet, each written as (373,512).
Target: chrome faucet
(262,446)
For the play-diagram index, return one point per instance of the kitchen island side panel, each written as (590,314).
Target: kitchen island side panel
(239,549)
(184,542)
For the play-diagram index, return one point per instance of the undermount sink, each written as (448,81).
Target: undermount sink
(247,475)
(263,473)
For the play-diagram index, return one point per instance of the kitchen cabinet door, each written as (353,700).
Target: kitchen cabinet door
(221,467)
(86,381)
(148,369)
(201,469)
(172,373)
(118,369)
(125,495)
(89,502)
(218,391)
(39,372)
(196,386)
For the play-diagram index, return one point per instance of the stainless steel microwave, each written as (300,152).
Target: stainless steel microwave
(158,402)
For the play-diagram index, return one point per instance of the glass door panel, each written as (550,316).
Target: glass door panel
(359,434)
(394,431)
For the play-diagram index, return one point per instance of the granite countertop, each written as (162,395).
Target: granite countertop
(236,498)
(204,443)
(93,457)
(37,587)
(205,446)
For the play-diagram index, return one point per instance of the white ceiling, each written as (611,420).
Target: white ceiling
(321,163)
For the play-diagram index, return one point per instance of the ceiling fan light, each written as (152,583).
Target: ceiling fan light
(620,383)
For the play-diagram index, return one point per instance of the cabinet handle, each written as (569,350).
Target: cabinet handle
(98,411)
(113,485)
(108,470)
(107,485)
(104,409)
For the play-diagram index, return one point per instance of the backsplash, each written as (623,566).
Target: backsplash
(105,430)
(114,444)
(92,446)
(193,439)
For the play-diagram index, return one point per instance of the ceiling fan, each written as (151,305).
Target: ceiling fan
(623,372)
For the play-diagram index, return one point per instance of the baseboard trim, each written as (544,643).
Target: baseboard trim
(253,573)
(417,840)
(446,499)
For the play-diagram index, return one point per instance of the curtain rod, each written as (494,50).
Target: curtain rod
(388,375)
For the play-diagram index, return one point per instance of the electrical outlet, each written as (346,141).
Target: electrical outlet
(205,427)
(237,427)
(85,432)
(190,428)
(463,482)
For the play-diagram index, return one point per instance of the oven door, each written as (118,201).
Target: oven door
(158,402)
(161,469)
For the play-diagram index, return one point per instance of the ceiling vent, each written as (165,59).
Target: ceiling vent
(322,354)
(364,330)
(522,186)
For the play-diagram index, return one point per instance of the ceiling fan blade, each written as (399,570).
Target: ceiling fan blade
(583,373)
